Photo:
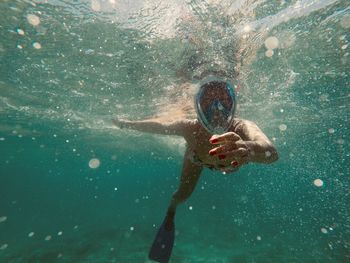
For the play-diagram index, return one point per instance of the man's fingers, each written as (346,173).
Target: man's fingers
(226,137)
(224,149)
(227,151)
(240,152)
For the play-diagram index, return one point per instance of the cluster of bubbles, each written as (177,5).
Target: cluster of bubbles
(34,20)
(30,234)
(271,43)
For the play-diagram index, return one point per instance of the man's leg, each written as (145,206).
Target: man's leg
(189,178)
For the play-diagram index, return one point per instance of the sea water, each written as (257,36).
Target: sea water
(74,188)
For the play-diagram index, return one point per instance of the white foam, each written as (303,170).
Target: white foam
(95,5)
(345,21)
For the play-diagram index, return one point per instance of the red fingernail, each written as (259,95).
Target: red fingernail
(234,163)
(212,152)
(214,140)
(221,156)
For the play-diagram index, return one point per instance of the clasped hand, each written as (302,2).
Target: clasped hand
(230,146)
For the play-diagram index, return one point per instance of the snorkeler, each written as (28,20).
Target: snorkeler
(216,140)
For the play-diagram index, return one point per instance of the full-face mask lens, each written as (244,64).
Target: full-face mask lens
(215,105)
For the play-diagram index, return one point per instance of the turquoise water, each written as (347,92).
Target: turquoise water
(68,67)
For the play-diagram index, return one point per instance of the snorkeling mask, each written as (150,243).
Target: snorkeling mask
(215,104)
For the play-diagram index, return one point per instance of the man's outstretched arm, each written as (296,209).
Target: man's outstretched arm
(153,126)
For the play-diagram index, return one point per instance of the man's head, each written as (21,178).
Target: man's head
(215,105)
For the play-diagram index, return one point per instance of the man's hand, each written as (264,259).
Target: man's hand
(230,146)
(119,123)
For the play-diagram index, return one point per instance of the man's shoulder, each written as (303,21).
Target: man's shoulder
(238,124)
(186,125)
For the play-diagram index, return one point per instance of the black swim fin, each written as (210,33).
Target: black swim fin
(163,244)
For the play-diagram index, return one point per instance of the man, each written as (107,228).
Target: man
(215,140)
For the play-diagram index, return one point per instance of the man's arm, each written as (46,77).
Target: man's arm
(153,126)
(261,149)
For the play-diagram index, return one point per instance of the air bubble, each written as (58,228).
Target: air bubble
(31,234)
(33,19)
(324,230)
(344,47)
(20,31)
(318,182)
(286,39)
(247,28)
(190,208)
(3,247)
(331,130)
(340,141)
(324,97)
(48,238)
(3,219)
(37,45)
(283,127)
(94,163)
(271,42)
(132,228)
(269,53)
(258,238)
